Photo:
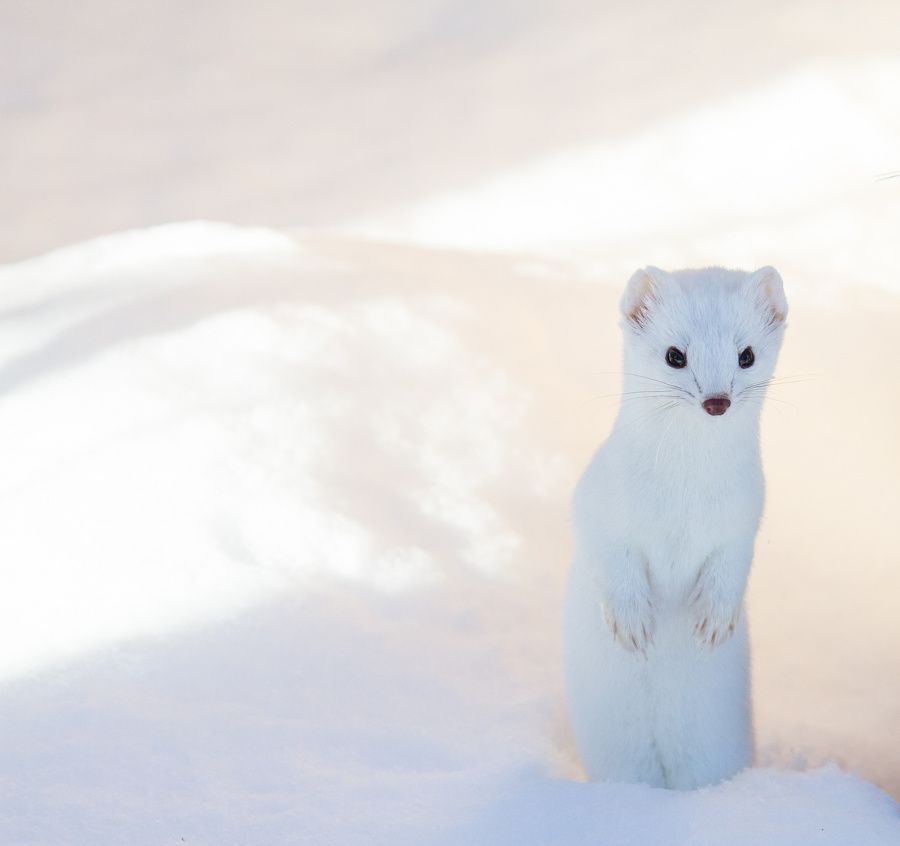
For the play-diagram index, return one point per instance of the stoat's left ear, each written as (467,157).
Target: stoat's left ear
(642,292)
(769,291)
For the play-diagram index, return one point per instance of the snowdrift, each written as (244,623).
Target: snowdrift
(284,534)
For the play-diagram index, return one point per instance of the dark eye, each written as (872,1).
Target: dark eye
(675,358)
(746,358)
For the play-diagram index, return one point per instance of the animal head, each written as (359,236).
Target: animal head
(706,340)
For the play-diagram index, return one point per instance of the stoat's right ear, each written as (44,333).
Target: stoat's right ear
(642,291)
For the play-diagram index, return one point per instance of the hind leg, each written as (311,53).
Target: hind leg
(703,725)
(607,695)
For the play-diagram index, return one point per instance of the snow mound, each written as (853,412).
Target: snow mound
(284,543)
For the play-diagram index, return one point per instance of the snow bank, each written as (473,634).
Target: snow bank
(284,545)
(348,722)
(169,432)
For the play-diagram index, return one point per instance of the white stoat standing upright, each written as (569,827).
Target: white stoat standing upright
(655,642)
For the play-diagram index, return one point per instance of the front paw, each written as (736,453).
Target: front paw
(713,618)
(632,622)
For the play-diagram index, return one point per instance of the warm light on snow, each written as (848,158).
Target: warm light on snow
(329,516)
(283,513)
(788,168)
(169,477)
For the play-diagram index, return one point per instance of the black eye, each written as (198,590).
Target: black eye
(746,358)
(675,357)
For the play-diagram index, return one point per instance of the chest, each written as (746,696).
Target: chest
(682,516)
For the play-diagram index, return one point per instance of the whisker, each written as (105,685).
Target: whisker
(659,381)
(784,380)
(784,402)
(762,399)
(634,396)
(627,393)
(654,413)
(759,389)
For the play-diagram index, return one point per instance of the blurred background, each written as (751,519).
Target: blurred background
(307,328)
(312,114)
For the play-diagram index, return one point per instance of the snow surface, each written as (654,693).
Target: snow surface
(284,515)
(284,532)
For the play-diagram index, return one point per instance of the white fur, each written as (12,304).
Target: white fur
(665,516)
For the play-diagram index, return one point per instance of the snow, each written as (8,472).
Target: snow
(788,167)
(207,417)
(283,510)
(285,540)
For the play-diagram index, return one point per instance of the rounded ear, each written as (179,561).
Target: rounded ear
(769,290)
(643,289)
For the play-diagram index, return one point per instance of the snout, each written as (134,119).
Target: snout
(716,405)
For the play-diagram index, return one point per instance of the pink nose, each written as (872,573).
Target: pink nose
(716,405)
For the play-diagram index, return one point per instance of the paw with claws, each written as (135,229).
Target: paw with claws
(713,618)
(632,622)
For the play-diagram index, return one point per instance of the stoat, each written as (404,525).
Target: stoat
(655,639)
